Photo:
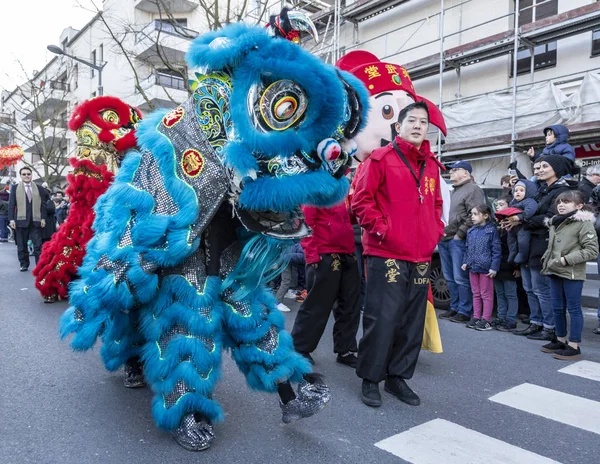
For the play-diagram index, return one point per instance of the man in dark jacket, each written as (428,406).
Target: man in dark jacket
(27,216)
(589,182)
(465,196)
(551,174)
(556,143)
(398,204)
(331,275)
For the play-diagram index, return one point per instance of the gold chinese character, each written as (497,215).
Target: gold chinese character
(432,185)
(372,71)
(405,73)
(391,275)
(391,69)
(426,185)
(392,263)
(191,162)
(335,263)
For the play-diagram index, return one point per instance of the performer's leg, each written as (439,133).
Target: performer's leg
(264,352)
(386,283)
(313,315)
(409,333)
(347,311)
(182,356)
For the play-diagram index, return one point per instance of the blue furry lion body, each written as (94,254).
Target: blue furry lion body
(144,289)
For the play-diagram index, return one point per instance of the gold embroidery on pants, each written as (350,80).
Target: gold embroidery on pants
(335,263)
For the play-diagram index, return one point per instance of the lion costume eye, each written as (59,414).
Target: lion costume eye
(110,116)
(281,105)
(387,112)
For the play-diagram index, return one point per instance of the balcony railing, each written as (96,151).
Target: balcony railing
(7,118)
(59,85)
(164,80)
(165,28)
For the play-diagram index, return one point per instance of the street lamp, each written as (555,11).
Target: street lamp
(59,51)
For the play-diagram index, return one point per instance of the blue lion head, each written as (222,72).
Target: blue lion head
(280,119)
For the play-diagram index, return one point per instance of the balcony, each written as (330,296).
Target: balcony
(7,118)
(172,6)
(161,42)
(158,87)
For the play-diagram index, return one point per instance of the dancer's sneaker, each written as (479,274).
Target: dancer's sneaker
(283,308)
(313,395)
(134,374)
(195,433)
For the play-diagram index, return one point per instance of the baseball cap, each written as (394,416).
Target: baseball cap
(462,165)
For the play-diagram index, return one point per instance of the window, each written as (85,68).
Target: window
(170,79)
(544,56)
(93,62)
(596,42)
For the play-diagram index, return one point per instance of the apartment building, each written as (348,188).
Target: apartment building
(491,117)
(140,45)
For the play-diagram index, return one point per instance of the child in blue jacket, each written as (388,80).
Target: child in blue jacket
(482,259)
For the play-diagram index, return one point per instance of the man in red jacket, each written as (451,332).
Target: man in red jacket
(331,274)
(398,204)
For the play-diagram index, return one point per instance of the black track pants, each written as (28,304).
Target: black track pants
(393,318)
(335,278)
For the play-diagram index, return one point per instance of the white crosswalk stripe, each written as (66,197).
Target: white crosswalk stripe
(568,409)
(443,442)
(586,369)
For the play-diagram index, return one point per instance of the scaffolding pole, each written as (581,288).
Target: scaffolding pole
(513,136)
(439,143)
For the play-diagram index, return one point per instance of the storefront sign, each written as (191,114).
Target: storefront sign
(587,155)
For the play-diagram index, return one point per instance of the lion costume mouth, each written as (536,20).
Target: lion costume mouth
(289,225)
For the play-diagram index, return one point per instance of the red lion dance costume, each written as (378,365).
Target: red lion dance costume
(105,129)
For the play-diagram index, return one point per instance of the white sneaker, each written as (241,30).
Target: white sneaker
(283,308)
(290,295)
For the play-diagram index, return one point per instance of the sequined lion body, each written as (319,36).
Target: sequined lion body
(201,216)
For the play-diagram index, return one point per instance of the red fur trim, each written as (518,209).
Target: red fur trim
(126,142)
(74,233)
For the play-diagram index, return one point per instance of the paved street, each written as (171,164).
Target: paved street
(490,398)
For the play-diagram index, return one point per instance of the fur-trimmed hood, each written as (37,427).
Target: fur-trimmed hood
(579,216)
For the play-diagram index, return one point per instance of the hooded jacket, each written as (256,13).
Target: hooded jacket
(528,204)
(545,197)
(397,223)
(560,145)
(332,232)
(574,240)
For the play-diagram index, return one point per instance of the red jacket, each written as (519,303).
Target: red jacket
(386,201)
(332,232)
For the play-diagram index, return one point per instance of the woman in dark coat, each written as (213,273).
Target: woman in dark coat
(50,226)
(551,172)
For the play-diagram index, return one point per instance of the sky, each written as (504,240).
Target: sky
(28,26)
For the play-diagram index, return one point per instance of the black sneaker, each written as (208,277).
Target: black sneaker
(448,314)
(349,360)
(472,323)
(370,394)
(496,322)
(483,326)
(134,373)
(23,269)
(553,346)
(307,356)
(568,353)
(544,334)
(507,326)
(459,318)
(397,387)
(533,328)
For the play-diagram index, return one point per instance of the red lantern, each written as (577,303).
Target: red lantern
(10,155)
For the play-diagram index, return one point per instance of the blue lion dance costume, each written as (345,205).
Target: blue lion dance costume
(199,219)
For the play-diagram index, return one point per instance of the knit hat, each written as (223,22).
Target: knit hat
(561,165)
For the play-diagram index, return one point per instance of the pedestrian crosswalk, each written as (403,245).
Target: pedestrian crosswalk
(441,441)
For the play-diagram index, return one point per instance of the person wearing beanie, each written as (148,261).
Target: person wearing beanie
(518,237)
(556,143)
(550,174)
